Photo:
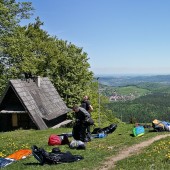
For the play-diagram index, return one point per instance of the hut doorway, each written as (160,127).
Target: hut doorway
(13,121)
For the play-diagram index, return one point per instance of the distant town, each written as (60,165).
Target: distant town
(118,97)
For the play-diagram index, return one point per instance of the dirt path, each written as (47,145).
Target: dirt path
(110,162)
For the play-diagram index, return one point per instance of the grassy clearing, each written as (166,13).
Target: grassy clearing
(96,151)
(132,90)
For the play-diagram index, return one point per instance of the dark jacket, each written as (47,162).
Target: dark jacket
(85,104)
(82,115)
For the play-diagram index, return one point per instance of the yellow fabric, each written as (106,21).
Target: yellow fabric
(140,134)
(156,122)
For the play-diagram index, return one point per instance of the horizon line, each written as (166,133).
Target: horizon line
(132,74)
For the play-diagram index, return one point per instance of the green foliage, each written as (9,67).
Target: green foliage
(12,13)
(31,49)
(132,90)
(126,90)
(101,114)
(72,76)
(155,87)
(143,109)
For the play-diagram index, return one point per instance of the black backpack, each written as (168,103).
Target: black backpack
(106,130)
(54,157)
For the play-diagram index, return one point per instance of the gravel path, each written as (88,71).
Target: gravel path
(110,162)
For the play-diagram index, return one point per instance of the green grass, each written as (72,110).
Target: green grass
(96,151)
(155,156)
(132,90)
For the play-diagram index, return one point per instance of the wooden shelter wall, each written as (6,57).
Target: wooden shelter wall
(11,102)
(22,121)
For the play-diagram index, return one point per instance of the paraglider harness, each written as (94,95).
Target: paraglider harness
(106,130)
(54,157)
(158,125)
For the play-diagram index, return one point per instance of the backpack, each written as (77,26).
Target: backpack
(77,144)
(54,140)
(107,130)
(110,129)
(99,135)
(97,131)
(138,131)
(166,125)
(89,121)
(54,157)
(158,126)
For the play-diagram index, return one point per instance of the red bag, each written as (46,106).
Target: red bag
(54,140)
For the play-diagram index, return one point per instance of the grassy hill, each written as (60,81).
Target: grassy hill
(124,80)
(97,151)
(124,90)
(135,85)
(155,87)
(138,90)
(132,90)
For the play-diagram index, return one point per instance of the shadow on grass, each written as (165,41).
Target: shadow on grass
(32,163)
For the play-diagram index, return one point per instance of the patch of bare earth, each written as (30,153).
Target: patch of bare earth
(110,162)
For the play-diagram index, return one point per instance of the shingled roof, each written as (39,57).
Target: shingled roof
(38,98)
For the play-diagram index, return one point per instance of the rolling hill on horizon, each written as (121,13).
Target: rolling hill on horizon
(125,80)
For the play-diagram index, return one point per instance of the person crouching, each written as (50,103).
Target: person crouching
(82,117)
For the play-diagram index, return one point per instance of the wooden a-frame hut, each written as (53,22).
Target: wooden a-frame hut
(31,103)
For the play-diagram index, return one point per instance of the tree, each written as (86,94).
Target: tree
(12,13)
(101,110)
(31,49)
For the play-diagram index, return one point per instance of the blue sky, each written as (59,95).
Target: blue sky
(119,36)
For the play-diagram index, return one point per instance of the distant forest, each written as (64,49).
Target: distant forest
(152,102)
(144,109)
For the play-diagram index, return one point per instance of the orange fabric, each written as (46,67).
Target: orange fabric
(20,154)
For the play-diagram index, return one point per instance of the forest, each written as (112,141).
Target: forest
(143,109)
(151,100)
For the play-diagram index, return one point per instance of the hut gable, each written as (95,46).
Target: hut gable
(37,97)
